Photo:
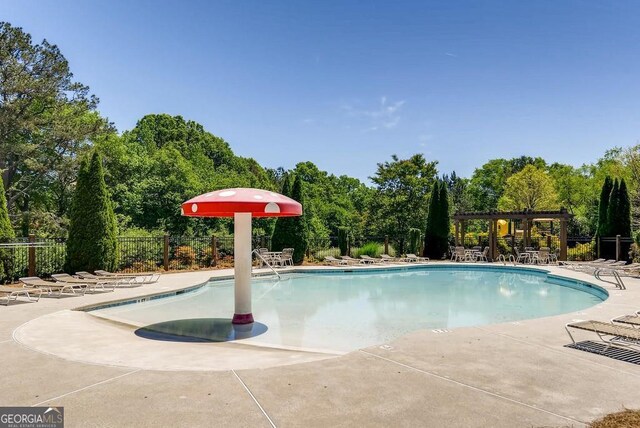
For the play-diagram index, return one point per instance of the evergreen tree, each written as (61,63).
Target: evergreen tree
(299,230)
(414,241)
(343,236)
(603,207)
(6,233)
(435,238)
(92,242)
(613,210)
(624,209)
(283,224)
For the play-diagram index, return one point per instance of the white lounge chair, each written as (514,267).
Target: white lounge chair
(609,333)
(52,288)
(412,258)
(11,294)
(369,259)
(90,285)
(333,261)
(145,277)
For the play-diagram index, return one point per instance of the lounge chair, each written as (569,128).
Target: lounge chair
(386,258)
(333,261)
(370,260)
(609,333)
(353,261)
(147,277)
(632,320)
(90,285)
(412,258)
(11,294)
(50,287)
(122,281)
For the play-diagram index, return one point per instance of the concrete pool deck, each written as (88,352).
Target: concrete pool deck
(511,374)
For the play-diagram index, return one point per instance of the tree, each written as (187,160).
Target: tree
(436,237)
(603,207)
(401,196)
(414,241)
(529,189)
(299,232)
(624,209)
(283,227)
(613,210)
(46,119)
(6,233)
(92,242)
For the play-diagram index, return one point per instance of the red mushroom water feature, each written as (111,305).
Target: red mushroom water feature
(242,204)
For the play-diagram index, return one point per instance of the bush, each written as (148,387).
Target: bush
(414,241)
(185,255)
(372,249)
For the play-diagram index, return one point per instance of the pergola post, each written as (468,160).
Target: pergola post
(463,225)
(491,232)
(494,253)
(563,240)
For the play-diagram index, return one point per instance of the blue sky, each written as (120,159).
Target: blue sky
(346,84)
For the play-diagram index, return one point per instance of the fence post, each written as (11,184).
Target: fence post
(618,248)
(166,252)
(386,244)
(214,251)
(32,255)
(513,244)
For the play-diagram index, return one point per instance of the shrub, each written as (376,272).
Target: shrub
(6,234)
(436,237)
(372,249)
(185,255)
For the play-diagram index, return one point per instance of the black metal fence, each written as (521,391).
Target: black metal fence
(42,257)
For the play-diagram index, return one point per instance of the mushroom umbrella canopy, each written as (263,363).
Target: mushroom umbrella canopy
(242,204)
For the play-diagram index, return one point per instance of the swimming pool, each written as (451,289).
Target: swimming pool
(342,311)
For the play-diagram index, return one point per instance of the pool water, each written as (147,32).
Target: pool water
(350,310)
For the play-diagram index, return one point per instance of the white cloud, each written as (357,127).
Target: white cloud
(386,115)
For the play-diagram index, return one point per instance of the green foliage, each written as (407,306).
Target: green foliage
(92,242)
(603,207)
(283,227)
(371,249)
(623,221)
(343,240)
(6,233)
(415,236)
(613,209)
(46,120)
(530,189)
(401,196)
(436,238)
(300,237)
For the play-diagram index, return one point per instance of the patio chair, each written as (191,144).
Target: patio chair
(541,256)
(609,333)
(459,255)
(148,278)
(286,258)
(11,294)
(482,256)
(521,257)
(90,285)
(369,259)
(50,287)
(333,261)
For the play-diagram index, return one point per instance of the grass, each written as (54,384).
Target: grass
(624,419)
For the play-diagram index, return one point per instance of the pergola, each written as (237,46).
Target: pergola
(527,217)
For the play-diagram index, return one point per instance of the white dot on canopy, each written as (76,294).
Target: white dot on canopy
(272,207)
(227,193)
(194,208)
(257,197)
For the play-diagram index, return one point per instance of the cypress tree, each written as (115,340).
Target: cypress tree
(299,231)
(283,224)
(624,209)
(613,210)
(414,241)
(6,233)
(92,242)
(431,239)
(343,234)
(603,207)
(444,225)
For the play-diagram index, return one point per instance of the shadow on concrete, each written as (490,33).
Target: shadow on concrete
(200,330)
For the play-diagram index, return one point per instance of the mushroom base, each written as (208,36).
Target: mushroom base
(242,318)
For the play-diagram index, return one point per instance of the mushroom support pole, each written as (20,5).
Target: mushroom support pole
(242,268)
